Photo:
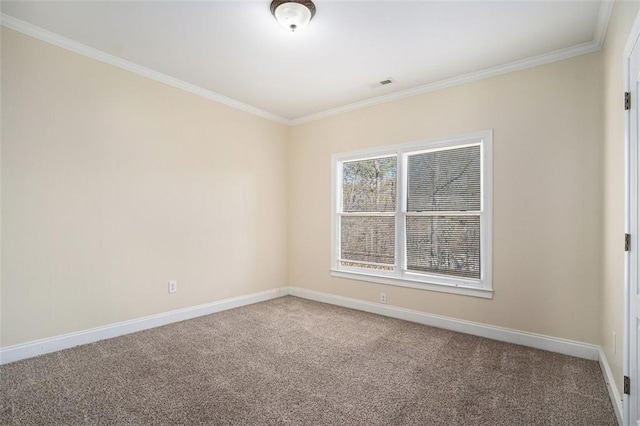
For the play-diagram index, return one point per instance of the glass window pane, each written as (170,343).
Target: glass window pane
(447,180)
(369,185)
(368,239)
(448,245)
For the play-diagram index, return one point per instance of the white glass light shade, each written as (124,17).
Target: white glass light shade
(292,16)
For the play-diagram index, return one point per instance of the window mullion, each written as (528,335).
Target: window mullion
(337,210)
(401,207)
(367,214)
(446,213)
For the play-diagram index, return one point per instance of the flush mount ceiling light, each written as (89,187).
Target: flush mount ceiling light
(293,14)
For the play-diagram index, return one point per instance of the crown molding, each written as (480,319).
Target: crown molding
(547,58)
(606,7)
(632,39)
(604,14)
(82,49)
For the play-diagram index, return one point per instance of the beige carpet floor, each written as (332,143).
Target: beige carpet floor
(296,362)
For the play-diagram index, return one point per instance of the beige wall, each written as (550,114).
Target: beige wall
(114,184)
(547,219)
(624,13)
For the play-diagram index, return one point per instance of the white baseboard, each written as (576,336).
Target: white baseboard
(539,341)
(56,343)
(616,399)
(548,343)
(553,344)
(65,341)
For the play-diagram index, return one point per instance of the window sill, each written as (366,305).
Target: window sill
(403,282)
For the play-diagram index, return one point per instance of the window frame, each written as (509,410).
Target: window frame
(482,287)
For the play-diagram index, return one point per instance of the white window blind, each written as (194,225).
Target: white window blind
(448,245)
(443,212)
(416,214)
(445,180)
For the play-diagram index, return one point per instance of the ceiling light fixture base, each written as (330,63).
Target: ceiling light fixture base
(293,14)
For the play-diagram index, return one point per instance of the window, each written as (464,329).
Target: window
(416,215)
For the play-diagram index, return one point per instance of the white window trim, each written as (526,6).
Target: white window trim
(447,284)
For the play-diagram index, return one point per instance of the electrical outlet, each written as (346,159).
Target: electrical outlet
(173,286)
(383,297)
(615,349)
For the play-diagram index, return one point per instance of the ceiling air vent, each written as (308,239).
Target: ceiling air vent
(385,82)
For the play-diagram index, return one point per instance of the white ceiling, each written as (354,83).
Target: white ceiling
(236,48)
